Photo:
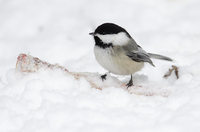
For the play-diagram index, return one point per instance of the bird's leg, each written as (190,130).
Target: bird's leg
(103,77)
(130,83)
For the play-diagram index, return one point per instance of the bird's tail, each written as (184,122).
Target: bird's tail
(160,57)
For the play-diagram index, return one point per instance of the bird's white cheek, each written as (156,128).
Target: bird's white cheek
(115,39)
(106,38)
(120,39)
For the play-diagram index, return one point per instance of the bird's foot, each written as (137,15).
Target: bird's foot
(103,77)
(130,83)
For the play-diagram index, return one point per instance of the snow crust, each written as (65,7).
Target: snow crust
(57,32)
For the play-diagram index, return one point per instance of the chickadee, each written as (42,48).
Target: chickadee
(117,51)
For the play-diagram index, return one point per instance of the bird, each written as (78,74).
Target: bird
(118,53)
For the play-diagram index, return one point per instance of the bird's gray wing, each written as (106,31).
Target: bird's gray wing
(155,56)
(140,57)
(136,53)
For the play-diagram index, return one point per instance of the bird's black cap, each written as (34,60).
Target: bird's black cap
(110,28)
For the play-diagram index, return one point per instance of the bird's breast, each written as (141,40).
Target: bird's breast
(115,61)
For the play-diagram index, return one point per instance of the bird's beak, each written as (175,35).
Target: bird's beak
(92,33)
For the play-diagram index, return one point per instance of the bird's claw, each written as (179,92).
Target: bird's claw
(129,84)
(103,77)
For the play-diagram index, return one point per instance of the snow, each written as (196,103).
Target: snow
(57,32)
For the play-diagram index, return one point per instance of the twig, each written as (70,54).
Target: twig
(175,69)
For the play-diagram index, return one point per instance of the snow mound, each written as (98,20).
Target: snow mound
(28,64)
(45,97)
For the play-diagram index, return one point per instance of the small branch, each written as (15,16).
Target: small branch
(175,69)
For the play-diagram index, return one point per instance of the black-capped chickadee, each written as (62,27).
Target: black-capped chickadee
(117,51)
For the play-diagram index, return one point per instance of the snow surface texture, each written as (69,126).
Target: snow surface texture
(57,32)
